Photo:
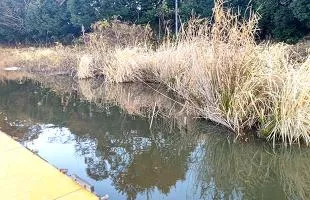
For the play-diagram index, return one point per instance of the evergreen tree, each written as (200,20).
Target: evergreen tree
(280,21)
(52,20)
(83,12)
(301,10)
(202,8)
(48,20)
(12,13)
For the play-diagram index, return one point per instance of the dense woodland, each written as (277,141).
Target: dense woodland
(47,21)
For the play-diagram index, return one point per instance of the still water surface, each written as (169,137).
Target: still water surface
(109,143)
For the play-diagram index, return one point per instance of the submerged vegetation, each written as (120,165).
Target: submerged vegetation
(216,66)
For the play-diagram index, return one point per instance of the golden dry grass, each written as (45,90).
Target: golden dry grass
(57,59)
(84,69)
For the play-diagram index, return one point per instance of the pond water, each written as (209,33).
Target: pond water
(113,138)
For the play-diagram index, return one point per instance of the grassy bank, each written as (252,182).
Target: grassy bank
(52,60)
(218,68)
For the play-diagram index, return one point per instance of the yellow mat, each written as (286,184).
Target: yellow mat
(25,176)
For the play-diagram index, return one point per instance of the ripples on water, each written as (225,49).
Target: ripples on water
(102,134)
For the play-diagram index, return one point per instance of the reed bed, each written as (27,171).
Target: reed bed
(52,60)
(220,70)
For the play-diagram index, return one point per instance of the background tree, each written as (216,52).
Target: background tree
(203,8)
(281,20)
(161,13)
(301,10)
(12,13)
(48,21)
(60,20)
(83,12)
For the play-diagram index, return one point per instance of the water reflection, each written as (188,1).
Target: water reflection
(231,170)
(112,144)
(102,133)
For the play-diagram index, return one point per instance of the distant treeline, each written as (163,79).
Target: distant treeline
(46,21)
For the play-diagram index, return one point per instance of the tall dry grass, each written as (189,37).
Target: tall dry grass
(228,78)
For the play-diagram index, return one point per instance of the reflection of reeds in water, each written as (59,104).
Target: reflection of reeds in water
(14,76)
(140,100)
(293,168)
(252,169)
(135,99)
(131,97)
(91,95)
(60,84)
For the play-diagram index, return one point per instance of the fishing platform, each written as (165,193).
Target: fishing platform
(26,176)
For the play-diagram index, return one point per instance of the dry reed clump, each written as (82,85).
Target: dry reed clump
(225,75)
(84,68)
(290,114)
(113,43)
